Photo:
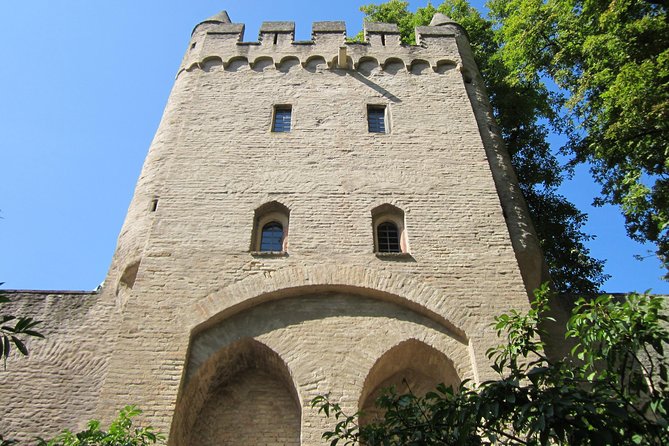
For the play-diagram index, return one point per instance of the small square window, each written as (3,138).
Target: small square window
(282,118)
(376,118)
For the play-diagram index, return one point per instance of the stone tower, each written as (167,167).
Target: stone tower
(312,216)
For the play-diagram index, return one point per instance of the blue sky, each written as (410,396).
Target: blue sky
(82,90)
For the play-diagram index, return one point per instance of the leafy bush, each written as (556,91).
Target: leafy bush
(612,390)
(121,433)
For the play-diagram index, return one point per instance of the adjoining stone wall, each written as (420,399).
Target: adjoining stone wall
(58,384)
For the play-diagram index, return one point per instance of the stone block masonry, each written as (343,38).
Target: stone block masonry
(58,384)
(222,344)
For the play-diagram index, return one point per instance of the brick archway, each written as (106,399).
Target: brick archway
(333,292)
(398,288)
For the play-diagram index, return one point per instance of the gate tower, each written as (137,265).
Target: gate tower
(312,216)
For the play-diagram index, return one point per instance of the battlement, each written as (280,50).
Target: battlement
(219,42)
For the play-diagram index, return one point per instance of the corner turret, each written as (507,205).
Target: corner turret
(440,27)
(441,19)
(217,24)
(220,18)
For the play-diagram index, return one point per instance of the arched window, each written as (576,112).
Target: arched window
(271,238)
(389,230)
(388,237)
(270,229)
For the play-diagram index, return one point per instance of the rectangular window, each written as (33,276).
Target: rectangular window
(282,117)
(376,118)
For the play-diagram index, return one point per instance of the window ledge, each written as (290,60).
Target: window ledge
(394,256)
(269,253)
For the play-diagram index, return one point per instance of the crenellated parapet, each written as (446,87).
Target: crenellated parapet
(217,42)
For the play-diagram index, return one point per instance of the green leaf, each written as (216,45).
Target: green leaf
(20,345)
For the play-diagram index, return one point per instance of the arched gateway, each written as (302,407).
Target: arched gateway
(264,357)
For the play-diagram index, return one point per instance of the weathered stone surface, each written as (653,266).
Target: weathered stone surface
(58,384)
(329,27)
(386,28)
(280,27)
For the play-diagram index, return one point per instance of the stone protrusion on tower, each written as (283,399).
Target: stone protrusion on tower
(219,24)
(440,27)
(441,19)
(383,34)
(215,30)
(221,17)
(329,32)
(277,33)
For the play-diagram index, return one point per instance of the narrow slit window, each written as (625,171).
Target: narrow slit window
(282,118)
(272,237)
(376,119)
(388,237)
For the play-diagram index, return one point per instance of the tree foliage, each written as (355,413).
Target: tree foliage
(612,390)
(523,110)
(610,62)
(121,432)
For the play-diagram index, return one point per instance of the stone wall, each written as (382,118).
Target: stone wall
(58,384)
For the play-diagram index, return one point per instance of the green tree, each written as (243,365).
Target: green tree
(613,390)
(121,432)
(609,62)
(523,110)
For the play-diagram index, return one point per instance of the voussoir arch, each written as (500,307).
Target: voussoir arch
(427,300)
